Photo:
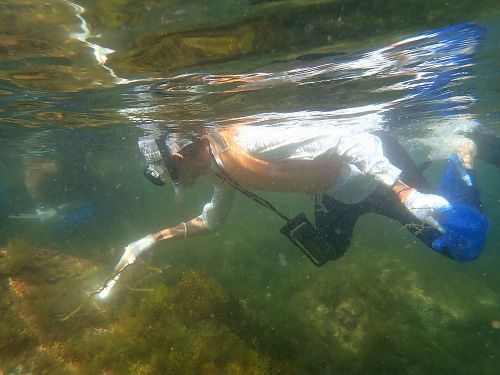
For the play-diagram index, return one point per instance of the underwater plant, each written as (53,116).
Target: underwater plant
(182,328)
(372,315)
(16,257)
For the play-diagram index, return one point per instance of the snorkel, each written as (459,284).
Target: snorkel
(162,161)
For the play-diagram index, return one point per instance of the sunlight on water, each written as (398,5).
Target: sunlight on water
(81,82)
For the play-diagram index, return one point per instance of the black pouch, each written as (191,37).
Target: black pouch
(308,239)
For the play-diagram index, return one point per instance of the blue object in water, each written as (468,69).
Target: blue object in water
(458,184)
(453,53)
(465,232)
(79,215)
(465,225)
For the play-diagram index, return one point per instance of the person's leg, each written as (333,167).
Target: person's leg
(383,157)
(457,186)
(411,174)
(365,155)
(384,202)
(465,224)
(337,222)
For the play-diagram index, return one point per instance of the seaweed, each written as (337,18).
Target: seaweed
(17,257)
(179,329)
(371,315)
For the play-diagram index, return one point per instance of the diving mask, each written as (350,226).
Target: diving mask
(161,164)
(154,172)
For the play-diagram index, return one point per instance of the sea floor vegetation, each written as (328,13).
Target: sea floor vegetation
(160,320)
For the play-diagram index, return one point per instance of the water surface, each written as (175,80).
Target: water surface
(80,83)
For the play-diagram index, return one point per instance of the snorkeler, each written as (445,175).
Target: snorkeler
(324,162)
(59,181)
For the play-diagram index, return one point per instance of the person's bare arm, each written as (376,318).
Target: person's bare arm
(193,227)
(212,217)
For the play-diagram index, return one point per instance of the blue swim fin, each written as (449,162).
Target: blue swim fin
(465,224)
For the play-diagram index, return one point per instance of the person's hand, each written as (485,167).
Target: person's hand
(133,250)
(425,206)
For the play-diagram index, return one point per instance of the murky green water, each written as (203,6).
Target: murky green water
(79,83)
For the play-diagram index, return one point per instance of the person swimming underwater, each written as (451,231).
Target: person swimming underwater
(320,161)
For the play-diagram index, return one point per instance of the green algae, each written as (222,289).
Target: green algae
(16,257)
(375,311)
(379,310)
(191,326)
(177,329)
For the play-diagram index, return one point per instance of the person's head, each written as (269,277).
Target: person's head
(180,162)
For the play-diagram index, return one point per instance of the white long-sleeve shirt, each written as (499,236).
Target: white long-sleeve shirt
(363,162)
